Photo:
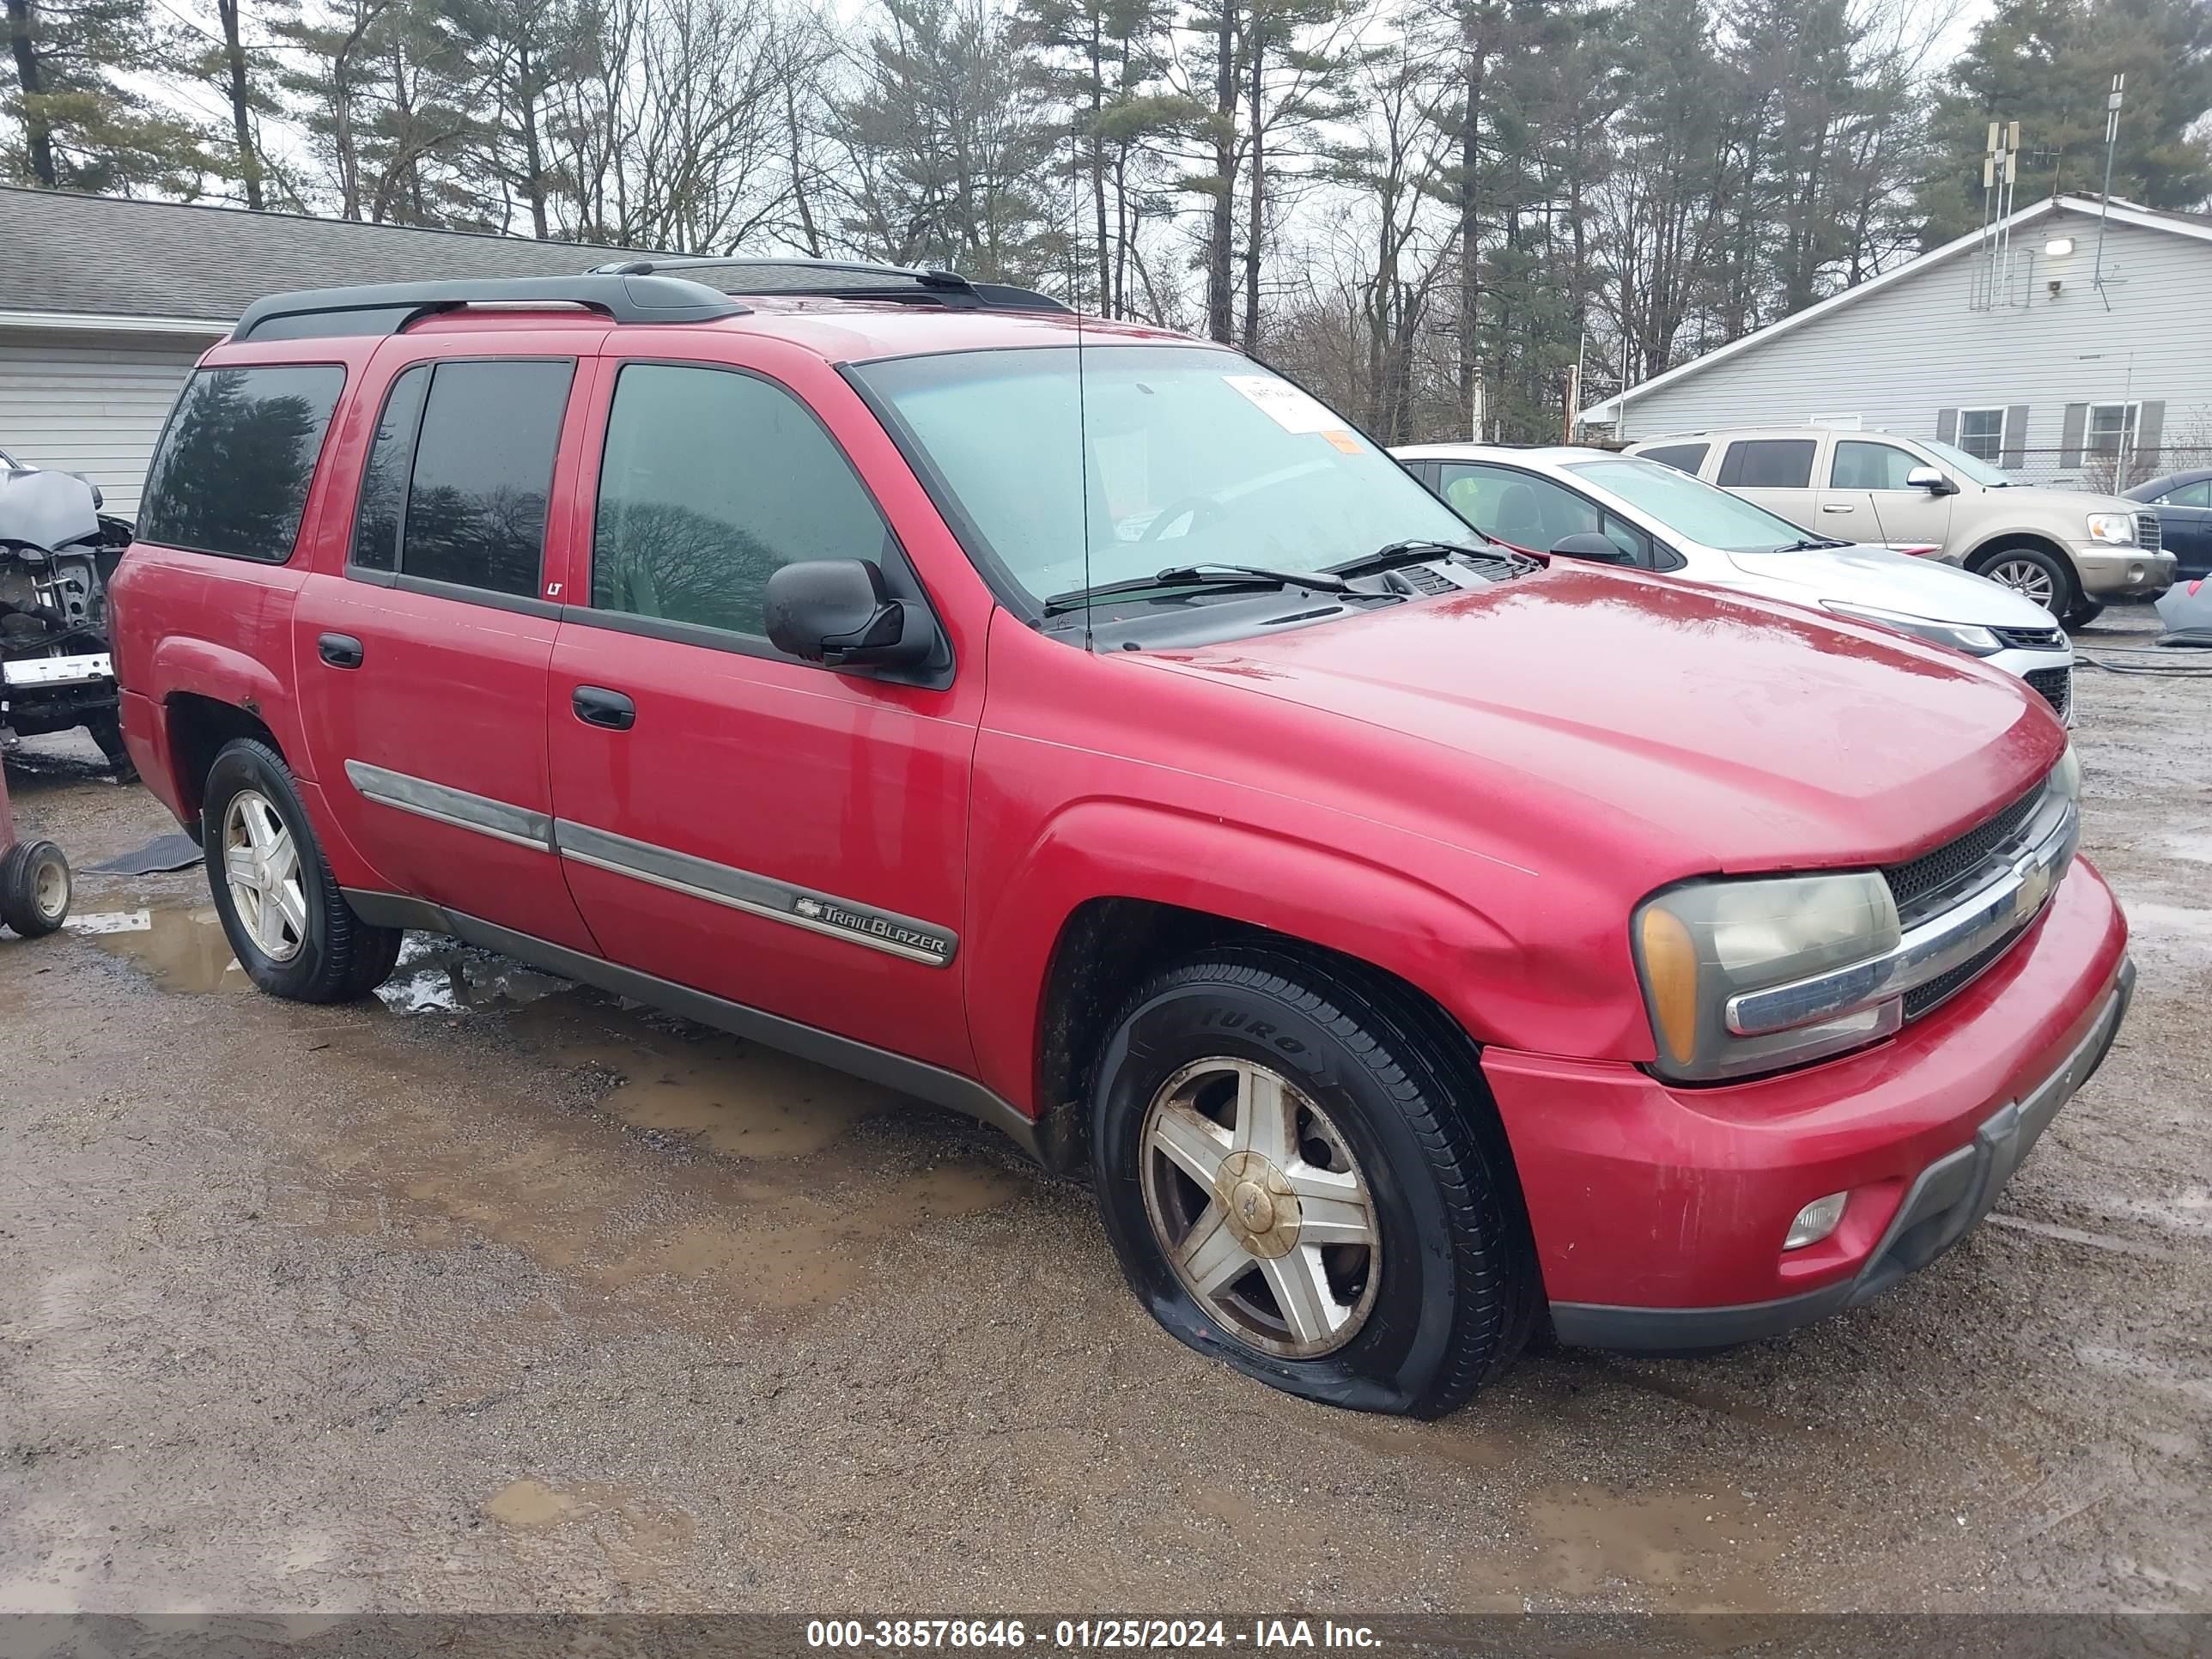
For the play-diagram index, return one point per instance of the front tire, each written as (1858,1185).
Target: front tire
(1302,1175)
(288,925)
(34,888)
(2035,574)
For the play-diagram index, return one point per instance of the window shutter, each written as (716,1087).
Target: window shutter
(2069,442)
(2016,434)
(2150,420)
(1947,426)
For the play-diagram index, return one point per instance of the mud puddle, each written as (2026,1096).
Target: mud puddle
(180,946)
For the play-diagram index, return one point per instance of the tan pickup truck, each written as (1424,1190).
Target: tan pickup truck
(2069,550)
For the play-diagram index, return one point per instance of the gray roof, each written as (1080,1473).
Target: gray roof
(106,256)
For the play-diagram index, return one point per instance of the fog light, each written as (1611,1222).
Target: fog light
(1815,1221)
(2134,572)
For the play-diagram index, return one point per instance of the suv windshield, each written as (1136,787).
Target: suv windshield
(1976,470)
(1693,509)
(1172,456)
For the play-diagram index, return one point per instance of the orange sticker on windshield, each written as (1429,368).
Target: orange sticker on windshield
(1343,441)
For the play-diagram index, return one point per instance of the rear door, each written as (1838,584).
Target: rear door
(768,831)
(1776,473)
(424,661)
(1877,472)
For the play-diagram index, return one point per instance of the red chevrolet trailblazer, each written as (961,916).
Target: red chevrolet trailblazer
(1082,728)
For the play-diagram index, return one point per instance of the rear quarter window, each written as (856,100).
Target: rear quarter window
(1768,464)
(1683,457)
(231,474)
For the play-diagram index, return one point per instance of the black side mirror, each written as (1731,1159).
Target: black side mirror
(838,612)
(1589,544)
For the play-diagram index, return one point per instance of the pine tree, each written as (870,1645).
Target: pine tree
(2048,64)
(79,124)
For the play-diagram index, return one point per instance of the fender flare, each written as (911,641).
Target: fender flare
(223,674)
(1442,943)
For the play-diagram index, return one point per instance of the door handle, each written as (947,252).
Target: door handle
(340,650)
(597,706)
(1838,507)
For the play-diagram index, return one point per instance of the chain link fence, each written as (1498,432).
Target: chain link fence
(2106,471)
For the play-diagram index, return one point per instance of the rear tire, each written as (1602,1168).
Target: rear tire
(34,888)
(288,923)
(1385,1260)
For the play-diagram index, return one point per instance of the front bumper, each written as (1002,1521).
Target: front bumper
(2122,572)
(1659,1212)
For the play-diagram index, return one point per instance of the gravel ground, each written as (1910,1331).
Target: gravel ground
(497,1294)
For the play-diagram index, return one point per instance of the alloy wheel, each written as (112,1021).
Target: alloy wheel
(1257,1202)
(261,867)
(2025,576)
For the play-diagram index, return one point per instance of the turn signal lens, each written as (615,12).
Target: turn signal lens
(1815,1221)
(1670,966)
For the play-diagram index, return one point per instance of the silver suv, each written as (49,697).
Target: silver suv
(2069,550)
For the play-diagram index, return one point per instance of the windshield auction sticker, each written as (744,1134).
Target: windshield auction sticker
(1285,404)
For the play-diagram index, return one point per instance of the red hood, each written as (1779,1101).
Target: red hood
(1755,734)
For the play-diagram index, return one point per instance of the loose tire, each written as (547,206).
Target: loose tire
(2035,574)
(1303,1176)
(34,888)
(288,923)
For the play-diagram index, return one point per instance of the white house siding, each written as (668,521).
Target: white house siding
(91,402)
(1898,356)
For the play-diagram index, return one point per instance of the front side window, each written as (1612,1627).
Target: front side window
(1981,433)
(1862,465)
(1696,512)
(1531,513)
(713,479)
(2195,494)
(1768,464)
(2113,429)
(235,464)
(1683,457)
(1071,472)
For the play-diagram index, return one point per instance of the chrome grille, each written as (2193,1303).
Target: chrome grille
(2149,534)
(2056,686)
(1925,885)
(1922,997)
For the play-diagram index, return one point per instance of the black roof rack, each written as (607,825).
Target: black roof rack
(842,279)
(623,296)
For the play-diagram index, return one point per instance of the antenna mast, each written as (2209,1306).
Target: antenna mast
(2112,144)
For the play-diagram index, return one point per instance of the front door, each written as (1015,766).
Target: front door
(428,656)
(1906,514)
(765,829)
(2185,522)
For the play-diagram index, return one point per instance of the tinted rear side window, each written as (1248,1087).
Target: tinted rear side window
(1684,457)
(483,469)
(383,481)
(1768,464)
(235,466)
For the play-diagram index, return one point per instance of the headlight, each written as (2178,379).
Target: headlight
(1974,641)
(2117,527)
(1699,944)
(2066,776)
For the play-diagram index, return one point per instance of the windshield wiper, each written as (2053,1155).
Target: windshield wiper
(1396,555)
(1811,545)
(1198,575)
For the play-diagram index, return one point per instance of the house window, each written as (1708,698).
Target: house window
(1982,433)
(2113,429)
